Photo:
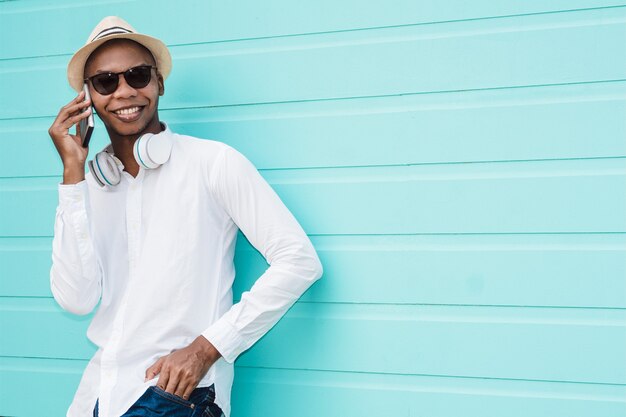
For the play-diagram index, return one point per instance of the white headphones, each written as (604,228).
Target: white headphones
(150,151)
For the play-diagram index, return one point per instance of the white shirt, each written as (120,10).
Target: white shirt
(159,250)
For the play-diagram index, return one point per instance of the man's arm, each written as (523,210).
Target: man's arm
(272,229)
(294,265)
(75,275)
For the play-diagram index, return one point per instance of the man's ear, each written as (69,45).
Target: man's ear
(161,84)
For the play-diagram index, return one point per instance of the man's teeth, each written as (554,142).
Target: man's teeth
(127,111)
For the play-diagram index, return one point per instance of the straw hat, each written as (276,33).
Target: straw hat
(113,27)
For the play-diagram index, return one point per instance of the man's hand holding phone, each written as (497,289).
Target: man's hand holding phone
(70,147)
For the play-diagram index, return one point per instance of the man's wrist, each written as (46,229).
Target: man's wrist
(210,352)
(73,173)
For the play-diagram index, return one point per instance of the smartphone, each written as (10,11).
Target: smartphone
(86,124)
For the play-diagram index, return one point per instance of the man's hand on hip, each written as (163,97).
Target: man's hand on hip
(182,370)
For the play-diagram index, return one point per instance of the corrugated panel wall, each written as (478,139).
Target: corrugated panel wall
(460,166)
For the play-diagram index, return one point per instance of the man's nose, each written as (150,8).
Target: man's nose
(124,89)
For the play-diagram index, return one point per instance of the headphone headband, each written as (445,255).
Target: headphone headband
(150,151)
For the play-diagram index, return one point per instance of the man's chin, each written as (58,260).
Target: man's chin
(126,131)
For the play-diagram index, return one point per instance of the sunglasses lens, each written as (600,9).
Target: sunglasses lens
(105,84)
(138,77)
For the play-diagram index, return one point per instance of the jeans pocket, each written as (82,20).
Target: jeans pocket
(172,397)
(158,402)
(212,410)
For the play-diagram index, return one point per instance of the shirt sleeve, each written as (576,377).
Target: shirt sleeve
(75,275)
(274,232)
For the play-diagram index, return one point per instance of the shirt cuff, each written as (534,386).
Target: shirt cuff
(73,196)
(225,338)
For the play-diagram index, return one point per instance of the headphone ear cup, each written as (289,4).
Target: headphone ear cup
(105,170)
(152,151)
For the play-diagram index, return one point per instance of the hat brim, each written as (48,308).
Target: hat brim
(76,66)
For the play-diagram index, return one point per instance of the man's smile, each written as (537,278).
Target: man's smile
(128,114)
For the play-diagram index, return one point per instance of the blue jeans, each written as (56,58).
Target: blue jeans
(157,402)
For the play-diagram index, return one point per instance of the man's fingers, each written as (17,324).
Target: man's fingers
(164,379)
(172,383)
(154,369)
(80,97)
(68,117)
(75,108)
(72,107)
(188,391)
(75,102)
(72,120)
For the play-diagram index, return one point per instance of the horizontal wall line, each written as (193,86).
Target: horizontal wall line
(383,304)
(340,167)
(404,176)
(555,94)
(442,242)
(531,308)
(472,234)
(340,31)
(422,312)
(29,8)
(341,99)
(403,94)
(353,372)
(447,163)
(434,376)
(408,25)
(617,309)
(612,233)
(39,358)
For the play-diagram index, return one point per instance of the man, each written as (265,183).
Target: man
(150,232)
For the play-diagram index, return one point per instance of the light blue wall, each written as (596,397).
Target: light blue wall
(460,167)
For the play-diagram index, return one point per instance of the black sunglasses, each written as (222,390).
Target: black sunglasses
(106,83)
